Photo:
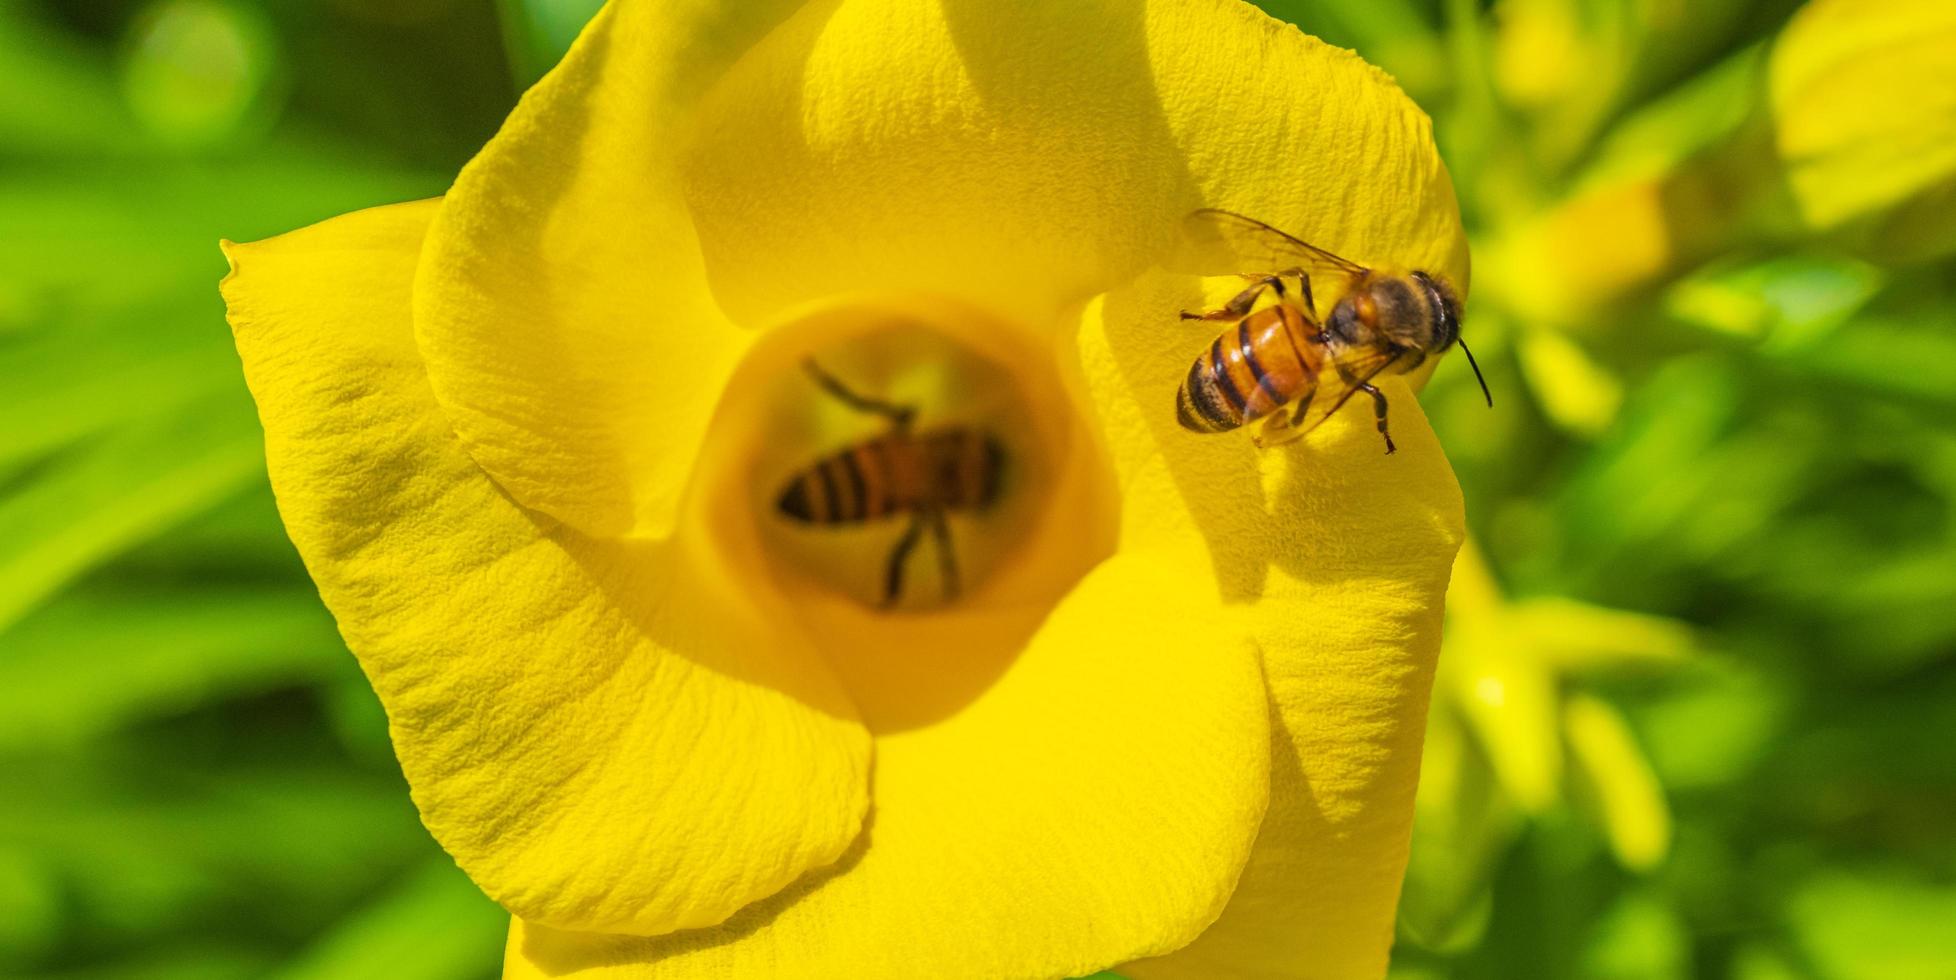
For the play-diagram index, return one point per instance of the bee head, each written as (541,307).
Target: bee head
(1446,323)
(1443,325)
(1390,310)
(1355,318)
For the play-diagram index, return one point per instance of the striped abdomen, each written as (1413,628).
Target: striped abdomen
(1252,369)
(903,472)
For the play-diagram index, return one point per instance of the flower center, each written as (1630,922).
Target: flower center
(915,485)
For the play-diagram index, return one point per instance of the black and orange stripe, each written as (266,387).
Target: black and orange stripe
(1252,369)
(946,469)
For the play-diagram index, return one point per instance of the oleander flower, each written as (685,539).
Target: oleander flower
(528,439)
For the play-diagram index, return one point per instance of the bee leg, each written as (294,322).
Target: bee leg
(1239,306)
(899,415)
(1379,411)
(1304,399)
(1277,430)
(893,577)
(947,559)
(1303,286)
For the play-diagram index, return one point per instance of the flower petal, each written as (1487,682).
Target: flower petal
(866,145)
(1029,159)
(601,733)
(1338,554)
(1338,557)
(560,304)
(1864,105)
(1094,804)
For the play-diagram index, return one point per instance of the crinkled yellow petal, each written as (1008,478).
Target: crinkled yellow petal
(601,733)
(1334,555)
(1033,154)
(1864,106)
(1020,161)
(1093,805)
(560,303)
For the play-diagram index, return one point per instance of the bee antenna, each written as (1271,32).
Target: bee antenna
(1477,371)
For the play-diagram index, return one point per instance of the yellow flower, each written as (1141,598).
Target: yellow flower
(1513,735)
(1864,108)
(1846,129)
(527,438)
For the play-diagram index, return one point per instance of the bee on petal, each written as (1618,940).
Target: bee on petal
(1279,362)
(924,475)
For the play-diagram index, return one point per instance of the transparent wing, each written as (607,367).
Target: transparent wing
(1217,242)
(1334,391)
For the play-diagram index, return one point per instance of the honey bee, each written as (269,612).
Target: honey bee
(925,474)
(1283,354)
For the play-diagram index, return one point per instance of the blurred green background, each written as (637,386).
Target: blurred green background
(1697,710)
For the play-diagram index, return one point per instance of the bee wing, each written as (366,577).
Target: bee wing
(1332,386)
(1217,242)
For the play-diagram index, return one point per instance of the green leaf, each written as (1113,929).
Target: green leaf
(88,117)
(90,663)
(1914,358)
(1658,469)
(1756,961)
(1713,724)
(72,381)
(432,925)
(1874,925)
(182,961)
(241,540)
(146,844)
(32,911)
(1639,938)
(94,235)
(88,505)
(538,32)
(1688,120)
(1795,303)
(1462,824)
(201,73)
(1396,35)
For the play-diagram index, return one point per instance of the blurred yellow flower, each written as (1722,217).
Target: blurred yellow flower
(1570,65)
(1510,720)
(526,438)
(1864,108)
(1847,129)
